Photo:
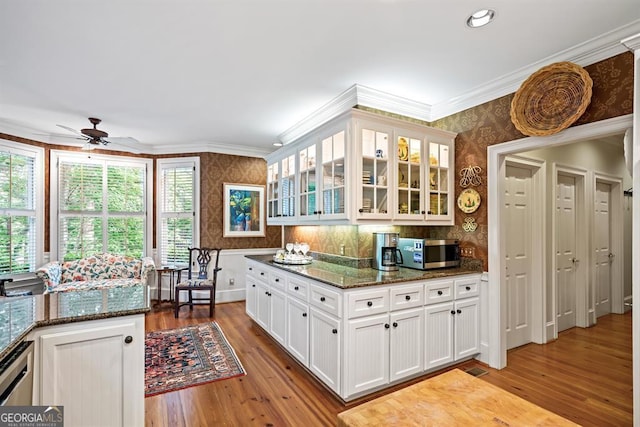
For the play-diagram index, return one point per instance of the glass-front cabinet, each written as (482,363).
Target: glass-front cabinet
(363,168)
(374,177)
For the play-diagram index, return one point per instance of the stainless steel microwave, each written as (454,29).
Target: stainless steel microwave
(425,254)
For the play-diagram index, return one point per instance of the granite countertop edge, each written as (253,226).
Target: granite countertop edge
(344,277)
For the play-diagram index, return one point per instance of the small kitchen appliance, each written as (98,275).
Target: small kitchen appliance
(385,251)
(425,254)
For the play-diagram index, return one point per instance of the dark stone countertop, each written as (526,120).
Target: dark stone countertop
(344,277)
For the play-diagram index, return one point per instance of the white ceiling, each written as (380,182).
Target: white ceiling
(233,75)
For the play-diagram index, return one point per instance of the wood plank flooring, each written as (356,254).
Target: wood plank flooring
(584,376)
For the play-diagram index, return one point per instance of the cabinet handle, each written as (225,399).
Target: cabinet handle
(429,212)
(128,339)
(304,314)
(295,288)
(262,273)
(423,212)
(322,299)
(439,292)
(468,288)
(453,312)
(408,297)
(253,286)
(360,210)
(395,324)
(369,303)
(386,326)
(250,268)
(458,311)
(277,280)
(335,331)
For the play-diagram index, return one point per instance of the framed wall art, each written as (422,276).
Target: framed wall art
(243,208)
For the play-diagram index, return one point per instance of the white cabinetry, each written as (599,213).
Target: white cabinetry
(397,171)
(95,369)
(357,341)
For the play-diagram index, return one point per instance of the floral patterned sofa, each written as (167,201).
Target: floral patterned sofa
(99,271)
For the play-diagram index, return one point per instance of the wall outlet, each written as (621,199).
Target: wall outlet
(342,249)
(232,281)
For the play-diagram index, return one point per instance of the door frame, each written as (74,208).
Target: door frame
(582,248)
(617,243)
(496,157)
(538,222)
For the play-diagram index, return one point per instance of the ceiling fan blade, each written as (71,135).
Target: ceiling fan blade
(122,144)
(121,140)
(72,130)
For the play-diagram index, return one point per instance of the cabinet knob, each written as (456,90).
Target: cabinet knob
(304,314)
(277,280)
(128,339)
(408,297)
(369,303)
(322,299)
(266,293)
(360,210)
(429,212)
(250,268)
(395,324)
(468,288)
(423,212)
(262,273)
(295,288)
(458,311)
(453,312)
(253,286)
(335,331)
(439,292)
(386,326)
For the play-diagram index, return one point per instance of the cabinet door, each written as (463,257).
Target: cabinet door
(467,338)
(288,188)
(438,335)
(250,299)
(308,190)
(440,178)
(298,330)
(90,370)
(410,190)
(367,353)
(374,179)
(278,319)
(324,348)
(333,205)
(263,305)
(273,191)
(407,343)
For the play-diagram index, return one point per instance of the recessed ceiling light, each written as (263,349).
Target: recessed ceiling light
(480,18)
(278,144)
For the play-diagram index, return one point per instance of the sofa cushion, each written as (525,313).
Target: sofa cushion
(86,285)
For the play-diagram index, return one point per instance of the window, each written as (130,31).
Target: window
(178,208)
(21,208)
(101,204)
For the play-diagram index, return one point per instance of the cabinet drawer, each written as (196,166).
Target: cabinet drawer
(252,268)
(260,273)
(278,280)
(368,303)
(326,300)
(406,297)
(298,289)
(440,291)
(467,287)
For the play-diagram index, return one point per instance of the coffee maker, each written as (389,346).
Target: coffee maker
(385,251)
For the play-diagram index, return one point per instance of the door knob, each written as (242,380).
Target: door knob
(128,339)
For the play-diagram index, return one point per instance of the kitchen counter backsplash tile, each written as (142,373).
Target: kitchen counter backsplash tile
(345,277)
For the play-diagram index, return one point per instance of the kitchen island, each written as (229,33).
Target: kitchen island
(362,330)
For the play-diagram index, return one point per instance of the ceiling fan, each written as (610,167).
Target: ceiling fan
(95,136)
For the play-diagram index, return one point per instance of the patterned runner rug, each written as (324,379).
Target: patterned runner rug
(188,356)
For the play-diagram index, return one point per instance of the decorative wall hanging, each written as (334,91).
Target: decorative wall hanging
(551,99)
(469,200)
(243,210)
(470,176)
(469,225)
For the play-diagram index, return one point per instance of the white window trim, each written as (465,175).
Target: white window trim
(169,163)
(38,153)
(56,155)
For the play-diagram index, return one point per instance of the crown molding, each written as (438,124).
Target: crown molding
(212,147)
(356,95)
(632,43)
(583,54)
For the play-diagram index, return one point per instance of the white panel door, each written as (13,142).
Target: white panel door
(324,348)
(438,345)
(566,258)
(367,353)
(466,328)
(517,210)
(407,343)
(278,315)
(263,305)
(298,330)
(603,253)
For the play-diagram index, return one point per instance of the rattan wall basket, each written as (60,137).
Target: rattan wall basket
(551,99)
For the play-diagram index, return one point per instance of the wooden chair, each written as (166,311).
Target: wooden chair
(198,278)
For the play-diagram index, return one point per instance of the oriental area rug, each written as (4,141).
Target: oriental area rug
(188,356)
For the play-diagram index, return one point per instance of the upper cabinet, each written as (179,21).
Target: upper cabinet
(363,168)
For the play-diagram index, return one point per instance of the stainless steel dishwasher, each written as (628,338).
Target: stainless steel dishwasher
(16,376)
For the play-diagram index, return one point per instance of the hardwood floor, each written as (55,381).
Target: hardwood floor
(584,376)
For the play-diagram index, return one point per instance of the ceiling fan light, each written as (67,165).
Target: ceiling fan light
(480,18)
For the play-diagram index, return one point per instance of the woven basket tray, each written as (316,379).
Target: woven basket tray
(551,99)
